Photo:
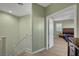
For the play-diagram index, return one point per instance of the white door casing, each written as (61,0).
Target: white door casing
(50,33)
(67,13)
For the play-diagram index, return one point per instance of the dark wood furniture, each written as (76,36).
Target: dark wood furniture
(73,46)
(69,31)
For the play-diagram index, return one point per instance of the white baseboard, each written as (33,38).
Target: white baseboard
(28,50)
(38,50)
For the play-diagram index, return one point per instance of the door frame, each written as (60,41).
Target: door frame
(61,12)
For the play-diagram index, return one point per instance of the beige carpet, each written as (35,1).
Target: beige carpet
(59,49)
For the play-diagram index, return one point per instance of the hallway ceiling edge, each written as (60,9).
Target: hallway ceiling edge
(16,9)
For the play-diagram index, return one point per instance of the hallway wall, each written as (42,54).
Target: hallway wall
(25,33)
(15,29)
(38,41)
(9,28)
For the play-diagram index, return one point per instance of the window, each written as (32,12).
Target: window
(59,27)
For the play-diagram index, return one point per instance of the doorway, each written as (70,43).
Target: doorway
(67,13)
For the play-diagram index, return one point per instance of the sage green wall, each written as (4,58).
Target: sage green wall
(15,29)
(54,7)
(25,33)
(38,29)
(9,29)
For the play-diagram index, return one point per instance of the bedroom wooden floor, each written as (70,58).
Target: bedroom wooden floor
(60,49)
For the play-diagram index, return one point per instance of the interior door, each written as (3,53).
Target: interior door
(50,33)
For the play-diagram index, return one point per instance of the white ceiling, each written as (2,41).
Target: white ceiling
(19,10)
(16,9)
(44,4)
